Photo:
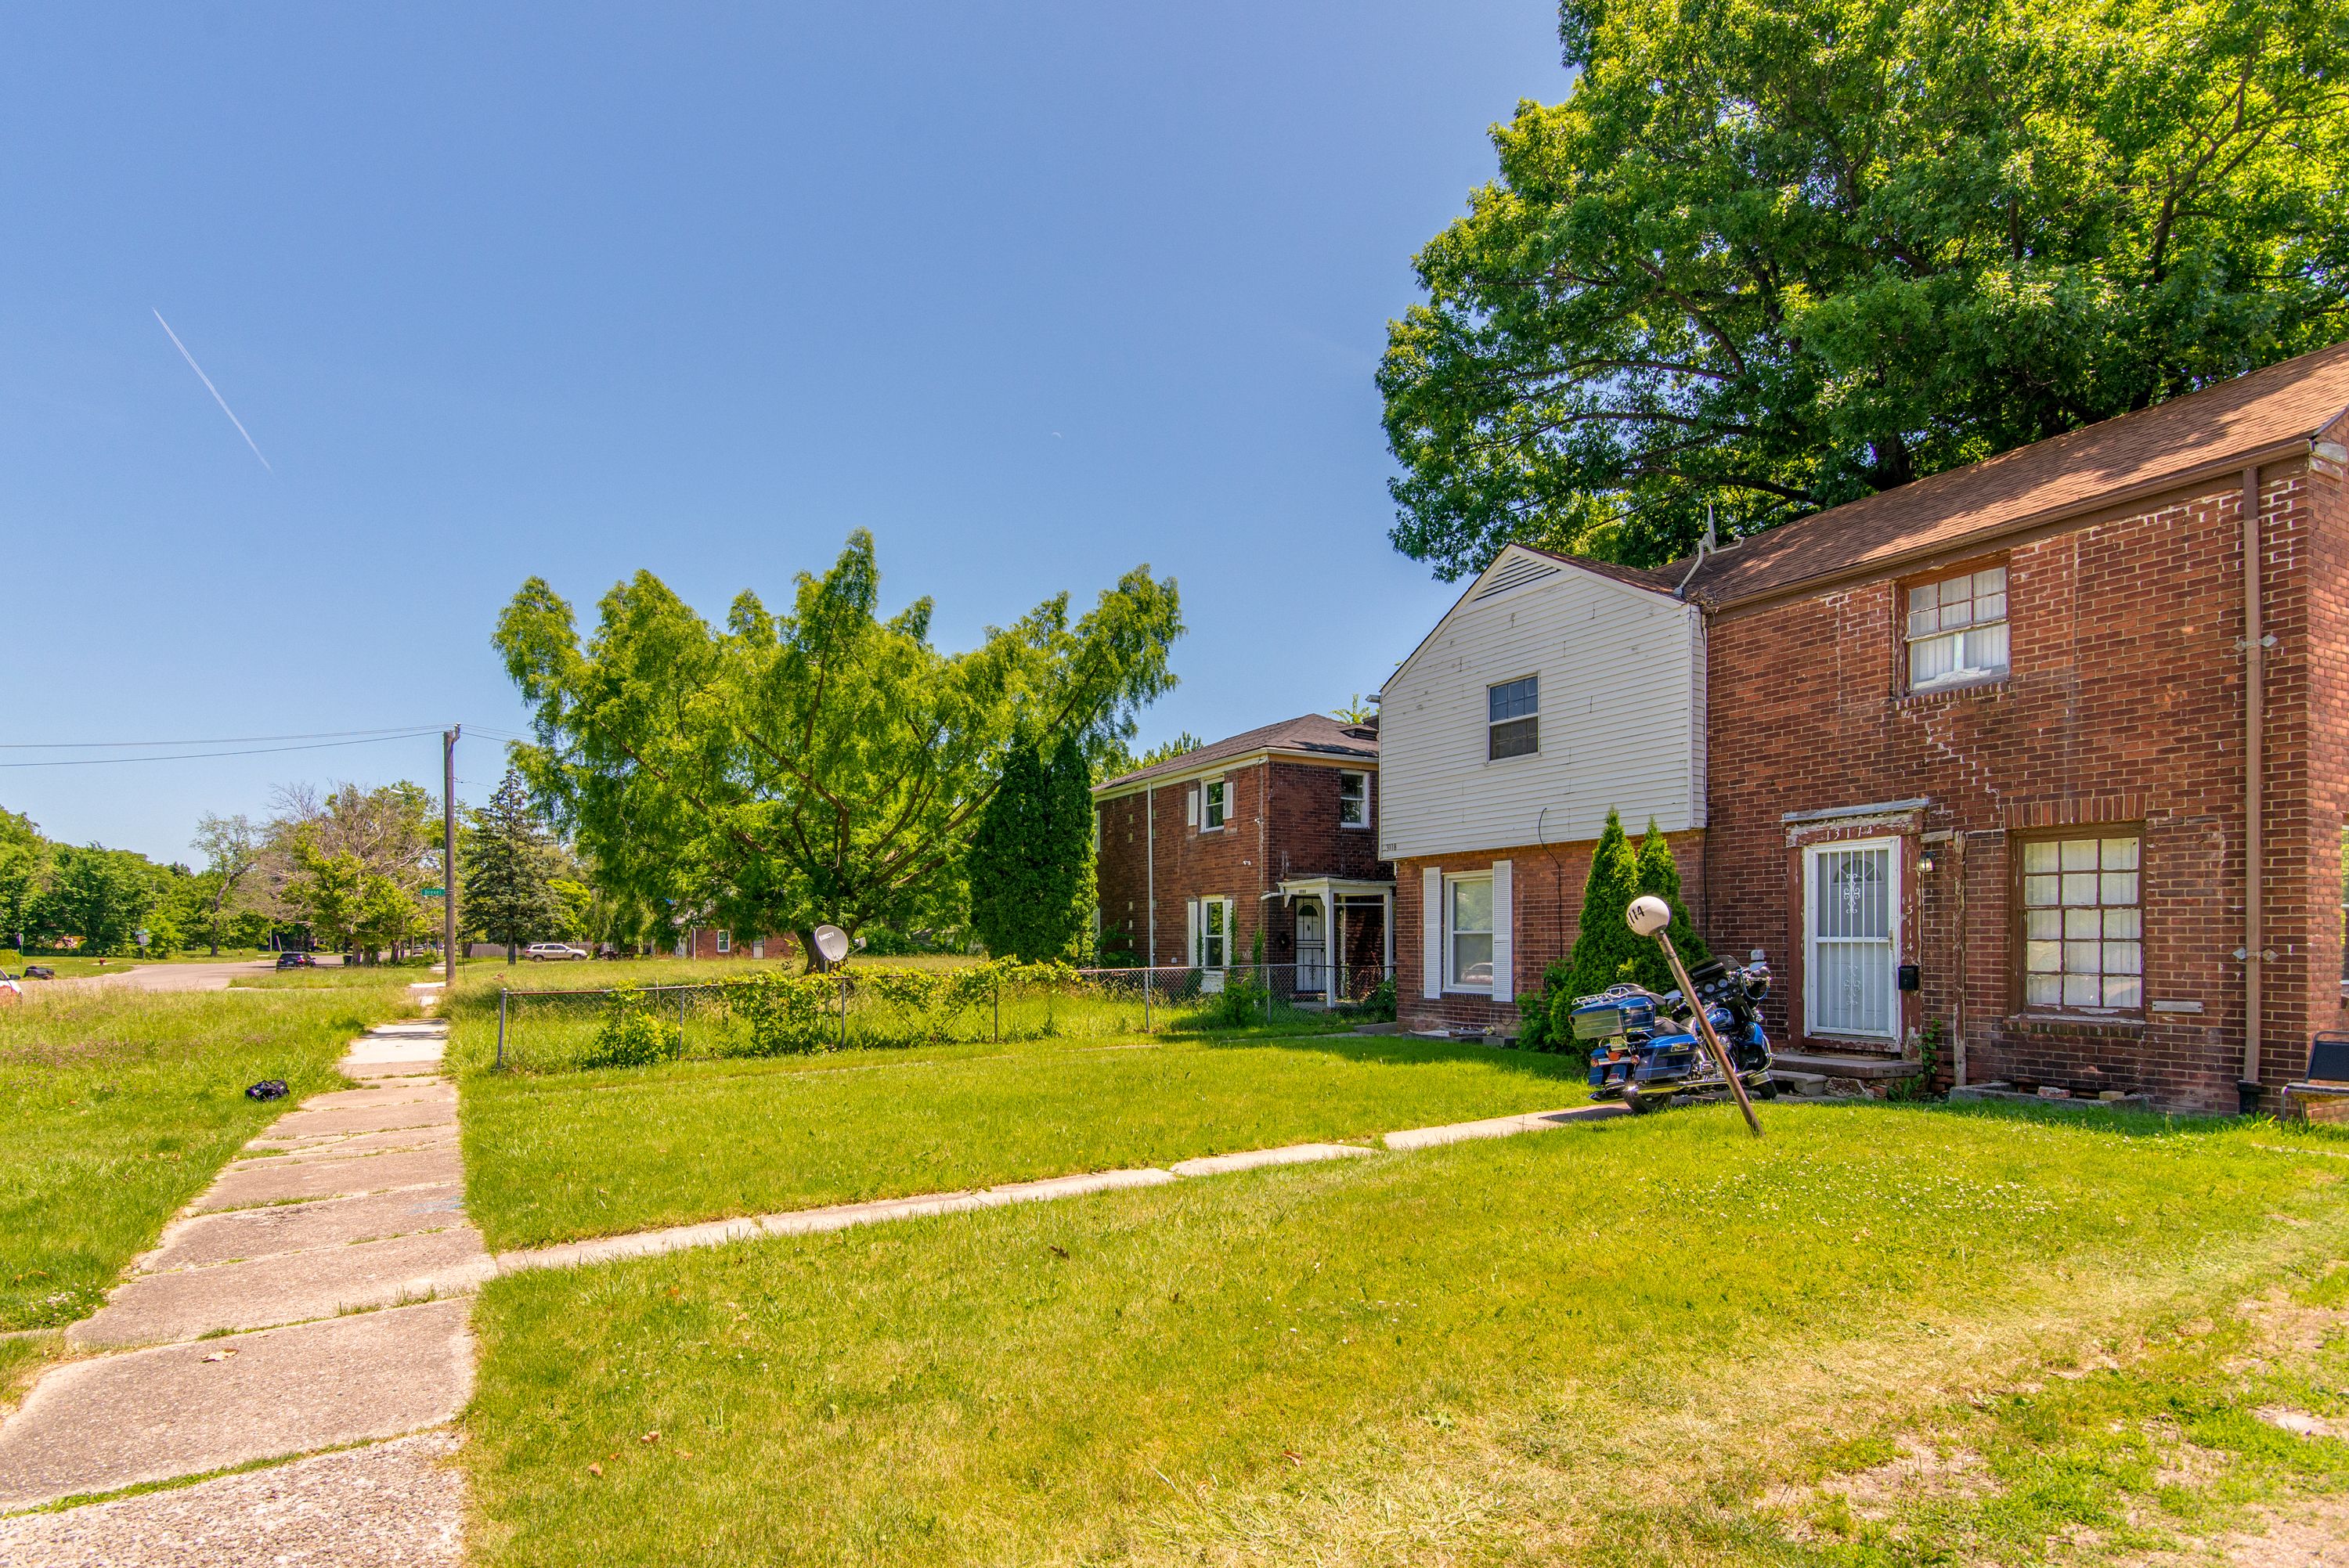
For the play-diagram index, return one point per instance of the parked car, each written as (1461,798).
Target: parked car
(296,960)
(39,972)
(559,952)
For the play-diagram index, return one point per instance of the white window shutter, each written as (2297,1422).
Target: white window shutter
(1191,806)
(1430,925)
(1504,948)
(1190,932)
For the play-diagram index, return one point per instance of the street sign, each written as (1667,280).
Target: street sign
(432,892)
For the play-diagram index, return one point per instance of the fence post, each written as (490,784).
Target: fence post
(1147,975)
(844,1009)
(999,1009)
(681,1023)
(501,1026)
(1265,976)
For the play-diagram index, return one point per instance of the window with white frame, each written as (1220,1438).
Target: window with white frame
(1512,719)
(1215,935)
(1211,805)
(1468,933)
(725,942)
(1957,630)
(1353,800)
(2083,924)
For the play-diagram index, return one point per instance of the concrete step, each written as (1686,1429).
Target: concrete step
(1845,1066)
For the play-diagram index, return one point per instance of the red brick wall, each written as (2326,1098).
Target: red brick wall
(2124,703)
(1280,821)
(704,944)
(1547,884)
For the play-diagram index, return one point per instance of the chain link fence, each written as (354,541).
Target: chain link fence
(775,1015)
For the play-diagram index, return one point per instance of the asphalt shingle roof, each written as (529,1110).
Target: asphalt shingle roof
(1307,732)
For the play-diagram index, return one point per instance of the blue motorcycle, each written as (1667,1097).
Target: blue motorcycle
(1645,1047)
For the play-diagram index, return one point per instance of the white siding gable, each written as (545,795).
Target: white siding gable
(1622,715)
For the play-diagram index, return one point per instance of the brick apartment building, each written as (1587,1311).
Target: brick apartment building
(1987,751)
(1270,833)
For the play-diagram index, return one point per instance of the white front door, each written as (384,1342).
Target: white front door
(1311,949)
(1851,898)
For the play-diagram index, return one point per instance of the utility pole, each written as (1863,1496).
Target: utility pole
(449,855)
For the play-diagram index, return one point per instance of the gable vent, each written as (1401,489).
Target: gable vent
(1525,569)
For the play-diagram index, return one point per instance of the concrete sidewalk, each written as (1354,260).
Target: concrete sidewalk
(314,1297)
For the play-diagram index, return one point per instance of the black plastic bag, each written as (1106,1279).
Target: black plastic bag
(267,1088)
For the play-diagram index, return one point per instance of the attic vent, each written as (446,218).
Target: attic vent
(1516,574)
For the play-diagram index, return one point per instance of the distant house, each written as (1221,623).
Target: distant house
(715,942)
(2050,753)
(1272,834)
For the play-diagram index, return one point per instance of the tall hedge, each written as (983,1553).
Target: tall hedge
(1658,873)
(1606,949)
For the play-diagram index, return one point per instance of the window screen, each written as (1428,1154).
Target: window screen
(1470,916)
(1353,800)
(1957,629)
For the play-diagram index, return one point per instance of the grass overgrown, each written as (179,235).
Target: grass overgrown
(1633,1342)
(553,1158)
(117,1107)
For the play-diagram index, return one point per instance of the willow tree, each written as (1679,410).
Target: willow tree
(820,764)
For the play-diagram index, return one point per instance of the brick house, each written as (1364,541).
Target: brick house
(711,942)
(1270,833)
(1983,752)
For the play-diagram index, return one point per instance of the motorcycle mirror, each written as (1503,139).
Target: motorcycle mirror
(1648,915)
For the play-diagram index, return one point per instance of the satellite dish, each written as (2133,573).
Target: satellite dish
(831,942)
(1648,915)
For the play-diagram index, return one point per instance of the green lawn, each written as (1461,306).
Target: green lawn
(1652,1342)
(580,1154)
(117,1107)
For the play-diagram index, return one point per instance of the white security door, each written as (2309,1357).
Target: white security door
(1852,905)
(1310,947)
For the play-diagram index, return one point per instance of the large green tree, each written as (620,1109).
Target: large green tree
(509,870)
(102,897)
(25,858)
(820,764)
(1773,255)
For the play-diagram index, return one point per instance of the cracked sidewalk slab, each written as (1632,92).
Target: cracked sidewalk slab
(118,1421)
(293,1288)
(385,1505)
(278,1180)
(239,1233)
(1259,1158)
(1501,1126)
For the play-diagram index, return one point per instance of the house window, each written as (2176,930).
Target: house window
(1214,933)
(2083,936)
(1957,630)
(725,942)
(1211,805)
(1511,726)
(1353,800)
(1468,933)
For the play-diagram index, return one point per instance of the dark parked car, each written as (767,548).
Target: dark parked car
(296,960)
(39,972)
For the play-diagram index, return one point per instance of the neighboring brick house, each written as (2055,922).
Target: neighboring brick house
(1272,834)
(1972,752)
(710,942)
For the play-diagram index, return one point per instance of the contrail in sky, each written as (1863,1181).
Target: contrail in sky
(209,387)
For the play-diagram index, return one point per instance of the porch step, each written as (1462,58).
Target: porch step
(1845,1066)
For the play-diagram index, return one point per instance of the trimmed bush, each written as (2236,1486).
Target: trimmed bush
(632,1034)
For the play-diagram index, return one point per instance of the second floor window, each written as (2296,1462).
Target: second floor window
(1353,800)
(1512,719)
(1957,630)
(1211,804)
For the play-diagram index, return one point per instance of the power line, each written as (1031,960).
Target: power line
(206,755)
(220,740)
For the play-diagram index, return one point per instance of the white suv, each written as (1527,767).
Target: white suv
(538,952)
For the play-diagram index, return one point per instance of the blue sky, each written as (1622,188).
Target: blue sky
(1035,293)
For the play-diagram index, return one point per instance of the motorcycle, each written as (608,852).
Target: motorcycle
(1645,1046)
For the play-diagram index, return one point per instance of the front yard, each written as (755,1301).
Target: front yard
(563,1156)
(1884,1333)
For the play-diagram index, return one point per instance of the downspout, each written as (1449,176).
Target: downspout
(2247,1091)
(1150,869)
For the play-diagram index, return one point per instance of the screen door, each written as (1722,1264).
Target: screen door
(1853,905)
